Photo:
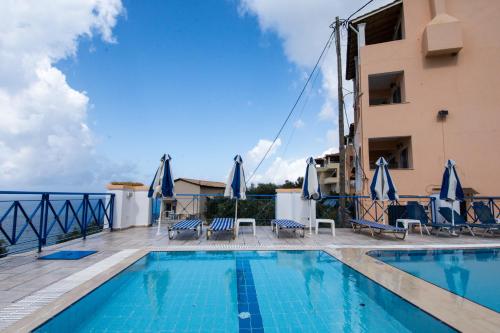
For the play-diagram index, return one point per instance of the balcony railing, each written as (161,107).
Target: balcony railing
(31,220)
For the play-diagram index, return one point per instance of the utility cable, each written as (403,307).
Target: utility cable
(327,44)
(308,95)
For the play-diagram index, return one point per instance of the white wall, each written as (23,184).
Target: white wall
(132,207)
(290,205)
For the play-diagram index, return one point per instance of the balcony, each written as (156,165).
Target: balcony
(386,88)
(397,151)
(331,180)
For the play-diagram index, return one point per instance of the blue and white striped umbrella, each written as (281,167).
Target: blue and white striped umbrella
(236,187)
(162,185)
(451,189)
(382,187)
(310,187)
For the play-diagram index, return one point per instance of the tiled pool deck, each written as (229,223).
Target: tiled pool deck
(32,289)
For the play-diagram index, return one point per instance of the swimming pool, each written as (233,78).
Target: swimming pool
(470,273)
(243,291)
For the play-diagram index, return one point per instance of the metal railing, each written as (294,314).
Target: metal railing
(31,220)
(493,203)
(261,207)
(393,210)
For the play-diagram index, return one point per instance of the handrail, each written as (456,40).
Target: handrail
(56,193)
(219,195)
(34,219)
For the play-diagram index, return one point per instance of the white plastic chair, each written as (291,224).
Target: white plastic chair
(329,221)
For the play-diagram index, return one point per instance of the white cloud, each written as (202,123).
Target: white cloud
(299,123)
(326,112)
(281,170)
(332,137)
(44,136)
(278,171)
(332,150)
(255,154)
(303,26)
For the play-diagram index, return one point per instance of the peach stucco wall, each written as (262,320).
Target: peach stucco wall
(467,85)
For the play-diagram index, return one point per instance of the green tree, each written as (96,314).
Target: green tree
(262,188)
(290,184)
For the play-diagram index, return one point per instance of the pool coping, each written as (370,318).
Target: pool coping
(457,312)
(460,313)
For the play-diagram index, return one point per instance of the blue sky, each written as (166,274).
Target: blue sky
(194,79)
(97,91)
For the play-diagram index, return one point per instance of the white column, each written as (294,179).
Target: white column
(132,206)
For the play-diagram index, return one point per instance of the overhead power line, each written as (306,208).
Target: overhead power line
(328,43)
(325,48)
(360,9)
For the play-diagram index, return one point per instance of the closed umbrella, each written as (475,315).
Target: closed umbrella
(236,185)
(382,187)
(310,187)
(162,185)
(451,189)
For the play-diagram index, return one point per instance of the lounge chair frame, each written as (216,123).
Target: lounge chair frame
(378,228)
(214,226)
(195,225)
(420,214)
(286,224)
(460,223)
(488,223)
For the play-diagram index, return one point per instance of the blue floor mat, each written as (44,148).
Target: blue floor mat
(67,255)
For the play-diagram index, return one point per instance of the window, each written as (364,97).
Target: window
(395,150)
(386,88)
(334,173)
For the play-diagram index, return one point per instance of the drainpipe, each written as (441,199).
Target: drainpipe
(438,7)
(443,34)
(361,39)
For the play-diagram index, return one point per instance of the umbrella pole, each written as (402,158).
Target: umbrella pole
(453,213)
(310,218)
(236,211)
(453,217)
(159,218)
(383,212)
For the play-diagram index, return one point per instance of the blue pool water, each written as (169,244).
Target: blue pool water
(472,273)
(247,291)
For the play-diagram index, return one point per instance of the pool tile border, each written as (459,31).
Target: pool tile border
(32,311)
(459,313)
(453,310)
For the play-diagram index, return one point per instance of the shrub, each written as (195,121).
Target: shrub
(127,183)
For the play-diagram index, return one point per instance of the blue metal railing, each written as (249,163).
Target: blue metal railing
(365,208)
(35,219)
(493,203)
(188,205)
(192,205)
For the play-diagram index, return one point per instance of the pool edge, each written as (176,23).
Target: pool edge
(52,309)
(453,310)
(476,318)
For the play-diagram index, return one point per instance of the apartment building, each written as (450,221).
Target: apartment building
(328,167)
(328,173)
(426,77)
